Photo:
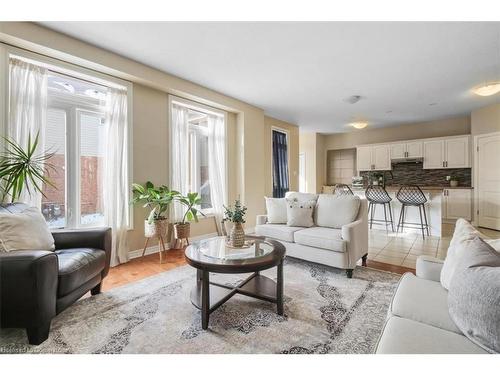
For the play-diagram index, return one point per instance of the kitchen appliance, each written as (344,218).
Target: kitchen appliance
(407,160)
(358,182)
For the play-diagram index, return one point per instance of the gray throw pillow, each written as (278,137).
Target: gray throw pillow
(474,295)
(299,214)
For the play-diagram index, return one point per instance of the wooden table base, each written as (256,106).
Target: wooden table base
(209,296)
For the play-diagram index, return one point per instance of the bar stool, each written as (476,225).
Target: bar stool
(343,189)
(376,194)
(412,195)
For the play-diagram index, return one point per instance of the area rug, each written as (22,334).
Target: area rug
(325,312)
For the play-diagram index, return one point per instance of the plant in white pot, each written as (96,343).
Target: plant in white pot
(236,215)
(191,201)
(157,200)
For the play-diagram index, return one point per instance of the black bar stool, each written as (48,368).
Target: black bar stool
(412,195)
(343,189)
(376,194)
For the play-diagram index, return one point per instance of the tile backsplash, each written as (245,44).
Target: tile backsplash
(414,174)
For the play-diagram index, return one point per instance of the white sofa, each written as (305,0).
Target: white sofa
(418,320)
(340,248)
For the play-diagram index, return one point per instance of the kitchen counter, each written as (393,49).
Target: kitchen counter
(395,188)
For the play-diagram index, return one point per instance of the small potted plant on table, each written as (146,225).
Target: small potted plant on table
(236,215)
(157,200)
(182,229)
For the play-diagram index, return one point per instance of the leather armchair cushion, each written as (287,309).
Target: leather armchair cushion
(77,266)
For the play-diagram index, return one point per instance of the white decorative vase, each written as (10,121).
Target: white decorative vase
(453,183)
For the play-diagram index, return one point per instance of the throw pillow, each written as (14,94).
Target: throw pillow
(464,232)
(334,211)
(25,230)
(276,210)
(299,214)
(301,197)
(474,295)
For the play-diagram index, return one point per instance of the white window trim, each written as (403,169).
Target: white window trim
(173,99)
(287,134)
(75,71)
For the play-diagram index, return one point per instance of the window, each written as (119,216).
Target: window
(280,163)
(75,131)
(198,155)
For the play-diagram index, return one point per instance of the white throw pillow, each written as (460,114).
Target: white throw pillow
(463,234)
(299,214)
(26,230)
(276,210)
(301,197)
(334,211)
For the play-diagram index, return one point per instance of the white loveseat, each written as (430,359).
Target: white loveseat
(340,248)
(418,320)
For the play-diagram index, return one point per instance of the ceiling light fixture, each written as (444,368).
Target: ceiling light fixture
(488,89)
(359,124)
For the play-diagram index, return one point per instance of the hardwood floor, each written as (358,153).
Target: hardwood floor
(149,265)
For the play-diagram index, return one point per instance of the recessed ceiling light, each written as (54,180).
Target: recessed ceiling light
(353,99)
(388,111)
(432,104)
(359,124)
(487,90)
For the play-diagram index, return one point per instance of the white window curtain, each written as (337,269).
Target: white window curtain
(217,166)
(27,111)
(179,157)
(116,197)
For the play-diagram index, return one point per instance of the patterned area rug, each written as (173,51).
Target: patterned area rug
(324,313)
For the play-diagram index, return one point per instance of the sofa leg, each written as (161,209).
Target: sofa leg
(349,273)
(37,335)
(363,260)
(96,290)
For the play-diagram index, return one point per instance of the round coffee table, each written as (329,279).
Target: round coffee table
(213,255)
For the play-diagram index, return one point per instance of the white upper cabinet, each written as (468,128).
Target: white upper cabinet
(406,150)
(434,154)
(381,157)
(447,153)
(364,158)
(414,149)
(398,150)
(373,158)
(457,152)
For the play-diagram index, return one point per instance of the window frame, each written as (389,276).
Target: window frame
(195,106)
(78,72)
(287,136)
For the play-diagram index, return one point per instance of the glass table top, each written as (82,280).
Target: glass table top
(217,248)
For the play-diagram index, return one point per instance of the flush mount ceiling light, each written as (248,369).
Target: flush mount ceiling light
(488,89)
(353,99)
(359,124)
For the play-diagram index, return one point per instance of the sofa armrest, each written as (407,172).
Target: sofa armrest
(356,236)
(28,287)
(429,268)
(99,238)
(261,219)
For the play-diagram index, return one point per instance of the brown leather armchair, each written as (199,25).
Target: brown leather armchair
(37,285)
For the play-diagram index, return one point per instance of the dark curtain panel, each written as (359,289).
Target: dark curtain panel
(280,165)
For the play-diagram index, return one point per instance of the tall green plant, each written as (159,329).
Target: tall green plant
(157,199)
(24,169)
(190,201)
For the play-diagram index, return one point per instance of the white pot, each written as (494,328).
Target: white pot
(453,183)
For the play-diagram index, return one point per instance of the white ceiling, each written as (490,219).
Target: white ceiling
(302,72)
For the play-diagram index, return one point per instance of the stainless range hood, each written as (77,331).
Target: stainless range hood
(407,161)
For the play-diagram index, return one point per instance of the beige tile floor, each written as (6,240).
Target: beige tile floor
(403,249)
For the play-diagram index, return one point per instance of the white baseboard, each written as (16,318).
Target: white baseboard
(154,249)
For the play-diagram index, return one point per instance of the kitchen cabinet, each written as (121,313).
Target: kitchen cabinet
(447,153)
(457,152)
(457,203)
(373,158)
(406,150)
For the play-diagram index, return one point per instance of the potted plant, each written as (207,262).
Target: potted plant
(182,229)
(23,169)
(453,180)
(236,215)
(157,200)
